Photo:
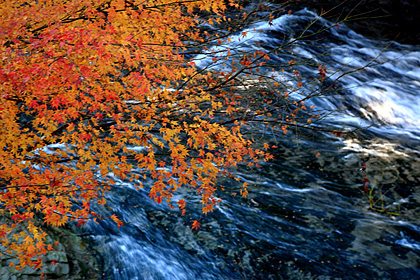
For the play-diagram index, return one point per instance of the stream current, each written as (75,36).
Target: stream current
(306,216)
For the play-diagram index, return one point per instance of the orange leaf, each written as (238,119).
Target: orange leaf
(195,225)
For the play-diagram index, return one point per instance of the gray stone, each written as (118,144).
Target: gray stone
(59,269)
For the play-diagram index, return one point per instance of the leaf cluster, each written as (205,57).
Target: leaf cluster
(92,90)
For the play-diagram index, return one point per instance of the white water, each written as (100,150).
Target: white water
(386,96)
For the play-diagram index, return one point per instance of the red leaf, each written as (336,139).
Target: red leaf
(85,136)
(158,200)
(33,104)
(195,225)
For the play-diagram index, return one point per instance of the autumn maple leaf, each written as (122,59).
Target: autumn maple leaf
(195,225)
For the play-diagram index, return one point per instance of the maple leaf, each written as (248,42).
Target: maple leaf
(85,136)
(81,222)
(115,93)
(195,225)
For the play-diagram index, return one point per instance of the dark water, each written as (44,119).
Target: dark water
(306,216)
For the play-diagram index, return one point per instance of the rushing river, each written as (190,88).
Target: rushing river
(307,216)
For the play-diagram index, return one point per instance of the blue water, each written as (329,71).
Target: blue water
(306,216)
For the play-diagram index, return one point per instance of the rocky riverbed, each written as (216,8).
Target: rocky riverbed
(307,215)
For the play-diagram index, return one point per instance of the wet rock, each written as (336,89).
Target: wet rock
(71,259)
